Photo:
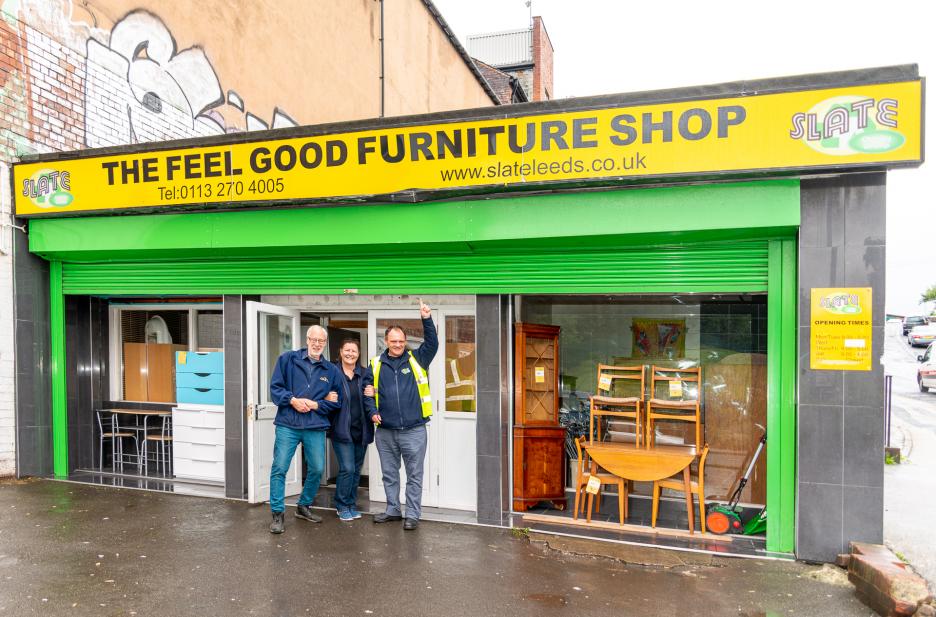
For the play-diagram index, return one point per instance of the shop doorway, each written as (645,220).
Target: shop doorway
(450,479)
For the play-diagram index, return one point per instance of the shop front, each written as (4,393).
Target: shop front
(670,234)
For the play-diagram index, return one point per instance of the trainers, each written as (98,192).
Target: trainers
(278,525)
(305,512)
(383,517)
(345,516)
(355,514)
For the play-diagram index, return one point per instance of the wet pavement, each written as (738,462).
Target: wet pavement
(910,488)
(72,549)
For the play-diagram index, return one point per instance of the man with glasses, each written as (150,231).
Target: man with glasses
(306,389)
(401,407)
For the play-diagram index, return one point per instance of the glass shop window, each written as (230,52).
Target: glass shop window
(460,381)
(148,341)
(710,350)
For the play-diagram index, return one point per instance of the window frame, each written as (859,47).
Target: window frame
(115,351)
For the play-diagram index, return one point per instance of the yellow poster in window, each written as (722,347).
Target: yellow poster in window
(539,374)
(840,329)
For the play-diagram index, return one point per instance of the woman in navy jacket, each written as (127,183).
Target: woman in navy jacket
(351,431)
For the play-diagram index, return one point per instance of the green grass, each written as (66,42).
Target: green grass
(520,533)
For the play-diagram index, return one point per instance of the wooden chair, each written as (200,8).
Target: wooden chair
(627,380)
(686,407)
(583,473)
(676,483)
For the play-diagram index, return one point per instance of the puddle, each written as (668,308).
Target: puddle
(547,599)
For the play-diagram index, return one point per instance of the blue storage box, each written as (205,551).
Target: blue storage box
(213,381)
(200,396)
(200,362)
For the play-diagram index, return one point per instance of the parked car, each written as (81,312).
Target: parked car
(921,336)
(909,323)
(926,374)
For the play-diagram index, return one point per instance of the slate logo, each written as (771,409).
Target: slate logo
(48,188)
(852,124)
(841,304)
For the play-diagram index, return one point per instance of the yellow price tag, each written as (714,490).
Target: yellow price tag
(181,356)
(675,389)
(593,485)
(604,382)
(539,374)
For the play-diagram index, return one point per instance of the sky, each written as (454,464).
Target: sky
(607,46)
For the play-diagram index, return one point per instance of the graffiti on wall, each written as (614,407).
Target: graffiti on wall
(140,84)
(141,87)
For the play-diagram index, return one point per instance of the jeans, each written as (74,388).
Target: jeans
(350,459)
(284,447)
(410,445)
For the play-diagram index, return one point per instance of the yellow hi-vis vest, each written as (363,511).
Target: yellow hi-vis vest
(422,383)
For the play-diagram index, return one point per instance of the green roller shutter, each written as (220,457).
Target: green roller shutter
(720,267)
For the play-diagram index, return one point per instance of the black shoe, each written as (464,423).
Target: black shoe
(383,517)
(278,525)
(305,512)
(410,524)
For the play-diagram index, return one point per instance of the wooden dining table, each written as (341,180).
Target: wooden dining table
(643,464)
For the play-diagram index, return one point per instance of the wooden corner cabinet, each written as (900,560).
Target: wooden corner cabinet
(538,440)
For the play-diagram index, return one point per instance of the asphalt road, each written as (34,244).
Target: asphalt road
(910,488)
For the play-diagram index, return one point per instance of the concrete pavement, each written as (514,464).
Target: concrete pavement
(910,488)
(71,549)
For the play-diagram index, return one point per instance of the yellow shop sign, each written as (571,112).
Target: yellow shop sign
(840,329)
(870,125)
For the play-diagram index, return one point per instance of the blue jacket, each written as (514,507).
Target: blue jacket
(400,404)
(297,375)
(341,420)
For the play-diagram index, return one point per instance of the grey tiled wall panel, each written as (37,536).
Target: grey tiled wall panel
(840,413)
(31,359)
(493,467)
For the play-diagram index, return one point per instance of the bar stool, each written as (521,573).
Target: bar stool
(116,436)
(164,453)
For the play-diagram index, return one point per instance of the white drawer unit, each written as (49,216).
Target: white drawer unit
(200,451)
(198,442)
(204,435)
(197,469)
(208,416)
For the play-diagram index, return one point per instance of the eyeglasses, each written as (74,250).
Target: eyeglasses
(316,340)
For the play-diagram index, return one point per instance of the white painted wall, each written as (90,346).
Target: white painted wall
(7,421)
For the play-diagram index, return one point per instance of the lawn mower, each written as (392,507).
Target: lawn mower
(726,518)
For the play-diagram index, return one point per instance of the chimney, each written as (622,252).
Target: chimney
(526,55)
(542,62)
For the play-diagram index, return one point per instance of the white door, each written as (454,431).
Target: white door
(449,477)
(377,322)
(271,330)
(457,421)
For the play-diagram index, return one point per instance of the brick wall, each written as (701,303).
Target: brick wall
(7,424)
(542,63)
(41,110)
